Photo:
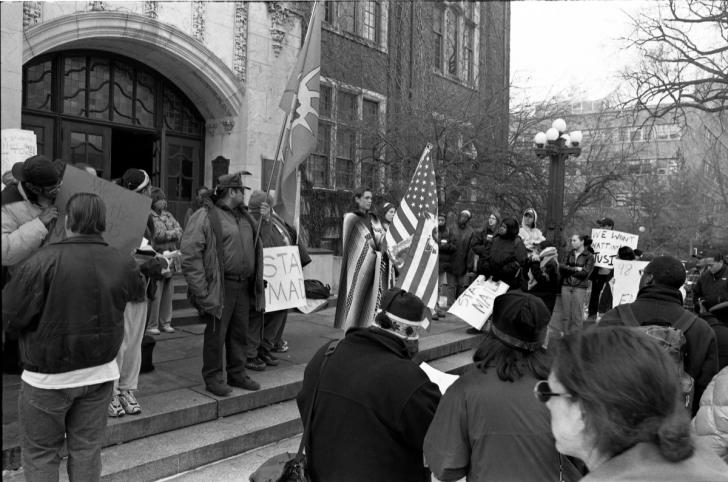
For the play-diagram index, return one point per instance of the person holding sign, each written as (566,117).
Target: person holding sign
(575,274)
(223,267)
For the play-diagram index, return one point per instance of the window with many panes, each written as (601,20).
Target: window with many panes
(455,39)
(437,37)
(363,19)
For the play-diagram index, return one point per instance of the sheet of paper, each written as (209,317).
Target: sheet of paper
(441,379)
(312,306)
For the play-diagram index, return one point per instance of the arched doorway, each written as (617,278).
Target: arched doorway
(113,113)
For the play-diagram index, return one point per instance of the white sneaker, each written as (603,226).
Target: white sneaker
(167,329)
(129,402)
(153,331)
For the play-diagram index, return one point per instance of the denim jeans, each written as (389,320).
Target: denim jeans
(160,308)
(46,416)
(572,305)
(263,329)
(129,358)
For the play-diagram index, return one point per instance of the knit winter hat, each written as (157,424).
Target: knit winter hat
(626,253)
(135,179)
(401,308)
(36,170)
(546,252)
(520,319)
(256,199)
(157,195)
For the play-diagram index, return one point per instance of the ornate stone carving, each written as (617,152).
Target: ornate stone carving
(279,17)
(240,37)
(96,6)
(150,9)
(228,125)
(199,10)
(32,12)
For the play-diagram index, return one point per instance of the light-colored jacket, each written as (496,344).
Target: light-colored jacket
(711,421)
(23,232)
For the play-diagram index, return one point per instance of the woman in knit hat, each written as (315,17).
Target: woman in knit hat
(488,426)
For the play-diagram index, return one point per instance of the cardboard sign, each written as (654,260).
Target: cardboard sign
(606,243)
(283,271)
(126,211)
(475,305)
(627,276)
(17,146)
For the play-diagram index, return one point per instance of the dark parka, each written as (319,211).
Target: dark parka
(372,411)
(447,248)
(656,302)
(463,256)
(202,267)
(66,304)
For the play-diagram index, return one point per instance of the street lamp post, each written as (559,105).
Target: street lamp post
(558,146)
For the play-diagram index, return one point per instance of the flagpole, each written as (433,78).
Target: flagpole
(286,121)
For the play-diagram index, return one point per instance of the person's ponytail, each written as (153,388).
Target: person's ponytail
(674,437)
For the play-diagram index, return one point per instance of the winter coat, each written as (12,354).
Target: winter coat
(447,248)
(482,241)
(547,282)
(66,304)
(531,237)
(372,410)
(23,233)
(711,422)
(573,278)
(488,429)
(713,288)
(202,262)
(504,250)
(167,232)
(657,302)
(721,336)
(276,232)
(462,257)
(644,462)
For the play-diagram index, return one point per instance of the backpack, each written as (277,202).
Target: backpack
(316,290)
(672,339)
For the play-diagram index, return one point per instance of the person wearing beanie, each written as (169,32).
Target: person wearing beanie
(265,330)
(166,236)
(545,277)
(223,265)
(28,217)
(659,300)
(374,404)
(488,425)
(506,247)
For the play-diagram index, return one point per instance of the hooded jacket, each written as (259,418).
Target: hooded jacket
(711,422)
(22,230)
(447,248)
(531,237)
(713,288)
(462,257)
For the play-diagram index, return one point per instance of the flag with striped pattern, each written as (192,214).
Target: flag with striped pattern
(412,233)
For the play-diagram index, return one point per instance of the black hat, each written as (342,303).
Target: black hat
(605,222)
(37,170)
(232,181)
(626,253)
(520,319)
(135,179)
(403,307)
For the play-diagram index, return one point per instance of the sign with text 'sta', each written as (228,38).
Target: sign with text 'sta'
(284,275)
(606,243)
(627,276)
(126,211)
(17,146)
(475,305)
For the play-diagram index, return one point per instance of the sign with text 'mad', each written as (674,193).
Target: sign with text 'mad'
(284,275)
(627,276)
(17,146)
(607,242)
(126,211)
(475,305)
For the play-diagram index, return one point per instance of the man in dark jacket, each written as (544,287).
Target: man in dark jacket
(712,286)
(223,267)
(374,405)
(659,300)
(66,304)
(462,257)
(444,263)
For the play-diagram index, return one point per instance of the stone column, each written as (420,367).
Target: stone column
(11,78)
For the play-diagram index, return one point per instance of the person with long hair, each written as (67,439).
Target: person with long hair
(365,266)
(615,404)
(575,273)
(488,426)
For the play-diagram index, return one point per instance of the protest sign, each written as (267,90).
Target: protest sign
(606,243)
(17,146)
(475,305)
(627,276)
(126,211)
(284,274)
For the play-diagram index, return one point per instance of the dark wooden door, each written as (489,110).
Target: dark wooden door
(181,173)
(87,143)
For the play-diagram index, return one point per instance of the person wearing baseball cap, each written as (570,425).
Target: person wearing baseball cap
(28,216)
(373,403)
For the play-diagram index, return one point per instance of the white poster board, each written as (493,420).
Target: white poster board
(441,379)
(284,275)
(475,305)
(606,243)
(627,276)
(17,146)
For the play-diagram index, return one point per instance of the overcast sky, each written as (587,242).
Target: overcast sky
(570,48)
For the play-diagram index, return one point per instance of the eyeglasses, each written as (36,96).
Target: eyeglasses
(542,392)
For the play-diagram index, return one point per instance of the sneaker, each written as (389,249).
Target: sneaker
(129,402)
(153,331)
(435,316)
(245,383)
(268,359)
(115,409)
(255,364)
(167,329)
(218,388)
(280,347)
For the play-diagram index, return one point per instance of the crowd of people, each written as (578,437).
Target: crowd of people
(562,386)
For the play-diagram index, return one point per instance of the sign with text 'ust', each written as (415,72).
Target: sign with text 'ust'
(284,275)
(606,243)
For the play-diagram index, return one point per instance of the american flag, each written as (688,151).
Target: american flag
(412,230)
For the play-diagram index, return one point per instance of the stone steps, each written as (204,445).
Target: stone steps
(189,427)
